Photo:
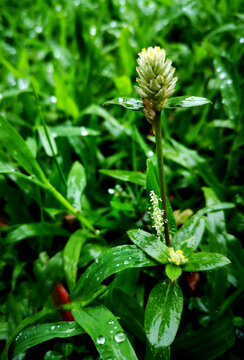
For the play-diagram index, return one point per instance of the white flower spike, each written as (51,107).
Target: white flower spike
(157,215)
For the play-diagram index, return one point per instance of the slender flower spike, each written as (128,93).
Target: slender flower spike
(157,215)
(177,257)
(156,81)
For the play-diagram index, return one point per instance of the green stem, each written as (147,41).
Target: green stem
(159,151)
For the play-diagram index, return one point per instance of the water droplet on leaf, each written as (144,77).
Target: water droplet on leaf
(120,337)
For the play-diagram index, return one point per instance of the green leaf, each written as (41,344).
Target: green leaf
(76,184)
(45,141)
(173,271)
(110,262)
(126,175)
(186,101)
(163,313)
(26,231)
(128,103)
(105,331)
(127,309)
(190,234)
(206,343)
(150,244)
(71,255)
(30,320)
(205,261)
(43,332)
(17,147)
(64,131)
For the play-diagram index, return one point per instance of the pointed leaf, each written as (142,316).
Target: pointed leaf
(105,331)
(71,255)
(17,147)
(163,313)
(150,244)
(186,101)
(43,332)
(205,261)
(173,271)
(110,262)
(126,175)
(128,103)
(76,184)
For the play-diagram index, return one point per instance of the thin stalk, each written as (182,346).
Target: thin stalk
(159,151)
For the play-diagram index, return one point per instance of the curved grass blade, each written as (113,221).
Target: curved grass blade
(43,332)
(110,262)
(105,331)
(126,175)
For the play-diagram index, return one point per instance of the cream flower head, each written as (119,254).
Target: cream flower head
(156,79)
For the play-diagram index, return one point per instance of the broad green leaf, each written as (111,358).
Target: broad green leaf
(43,332)
(64,131)
(206,343)
(215,208)
(127,309)
(26,231)
(173,271)
(71,255)
(104,329)
(126,175)
(205,261)
(190,234)
(110,262)
(128,103)
(17,147)
(45,141)
(163,313)
(30,320)
(186,101)
(150,244)
(76,184)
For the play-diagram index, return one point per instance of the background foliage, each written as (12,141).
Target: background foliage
(77,55)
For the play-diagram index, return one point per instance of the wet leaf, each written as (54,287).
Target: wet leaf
(128,103)
(186,101)
(205,261)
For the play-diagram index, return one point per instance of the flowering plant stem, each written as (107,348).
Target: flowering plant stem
(159,151)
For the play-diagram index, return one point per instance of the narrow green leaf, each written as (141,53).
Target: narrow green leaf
(105,331)
(126,175)
(128,103)
(186,101)
(127,309)
(26,231)
(150,244)
(76,184)
(45,141)
(43,332)
(163,313)
(30,320)
(71,255)
(110,262)
(64,131)
(215,208)
(205,261)
(173,271)
(17,147)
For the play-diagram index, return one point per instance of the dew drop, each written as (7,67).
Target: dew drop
(150,153)
(120,337)
(100,340)
(111,191)
(1,96)
(111,322)
(126,262)
(241,40)
(93,30)
(53,99)
(83,131)
(229,82)
(222,75)
(52,327)
(218,69)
